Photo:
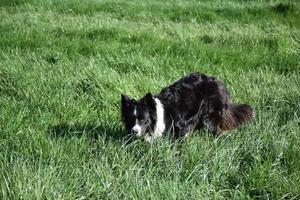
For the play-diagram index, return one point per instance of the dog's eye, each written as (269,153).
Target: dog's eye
(142,120)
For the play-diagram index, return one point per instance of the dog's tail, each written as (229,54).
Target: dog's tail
(236,115)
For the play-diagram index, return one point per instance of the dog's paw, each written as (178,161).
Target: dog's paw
(149,139)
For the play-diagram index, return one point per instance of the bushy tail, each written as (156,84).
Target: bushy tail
(236,115)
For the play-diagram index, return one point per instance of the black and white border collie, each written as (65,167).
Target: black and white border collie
(191,103)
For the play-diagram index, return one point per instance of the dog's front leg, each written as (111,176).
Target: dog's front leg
(149,138)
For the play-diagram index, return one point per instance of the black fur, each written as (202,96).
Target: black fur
(194,101)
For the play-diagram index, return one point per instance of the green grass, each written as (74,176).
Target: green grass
(64,64)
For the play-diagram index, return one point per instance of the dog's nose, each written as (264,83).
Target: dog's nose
(134,131)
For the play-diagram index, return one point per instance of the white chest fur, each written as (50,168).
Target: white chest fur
(160,125)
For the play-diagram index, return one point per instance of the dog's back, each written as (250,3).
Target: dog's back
(197,100)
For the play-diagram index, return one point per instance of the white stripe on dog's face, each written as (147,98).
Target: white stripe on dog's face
(136,129)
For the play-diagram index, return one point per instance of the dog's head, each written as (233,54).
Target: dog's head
(138,115)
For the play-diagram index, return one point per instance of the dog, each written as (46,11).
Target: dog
(191,103)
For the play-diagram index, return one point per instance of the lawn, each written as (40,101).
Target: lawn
(64,65)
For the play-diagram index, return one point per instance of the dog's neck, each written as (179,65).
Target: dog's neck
(160,125)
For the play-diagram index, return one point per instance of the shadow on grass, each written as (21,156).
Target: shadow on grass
(11,2)
(91,130)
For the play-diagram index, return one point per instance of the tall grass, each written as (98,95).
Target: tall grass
(64,64)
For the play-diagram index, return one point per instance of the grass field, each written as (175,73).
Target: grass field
(64,64)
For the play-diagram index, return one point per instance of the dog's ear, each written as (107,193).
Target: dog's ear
(149,100)
(125,100)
